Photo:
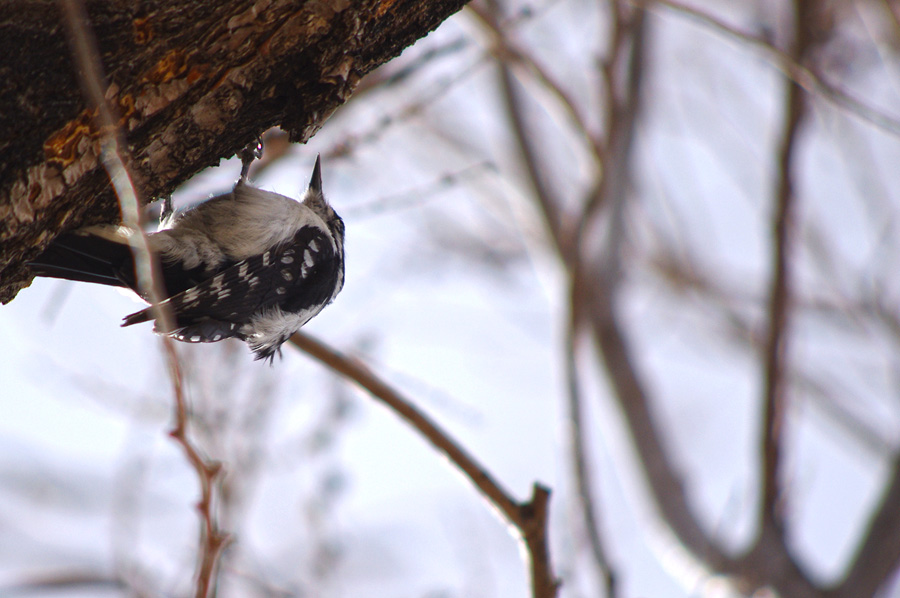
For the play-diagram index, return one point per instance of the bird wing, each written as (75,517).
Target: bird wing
(290,275)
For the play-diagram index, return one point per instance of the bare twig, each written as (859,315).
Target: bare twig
(384,78)
(52,583)
(545,194)
(798,73)
(113,152)
(579,450)
(507,52)
(114,157)
(662,475)
(736,326)
(436,92)
(607,201)
(622,104)
(766,563)
(529,518)
(417,195)
(598,296)
(774,397)
(207,472)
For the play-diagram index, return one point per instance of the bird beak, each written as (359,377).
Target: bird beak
(315,183)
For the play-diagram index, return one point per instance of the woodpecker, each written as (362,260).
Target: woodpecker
(249,264)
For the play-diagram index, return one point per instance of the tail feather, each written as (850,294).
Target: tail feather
(136,318)
(87,258)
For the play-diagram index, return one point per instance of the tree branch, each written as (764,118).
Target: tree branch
(193,83)
(665,484)
(622,97)
(776,351)
(596,298)
(797,72)
(579,451)
(115,157)
(544,193)
(509,53)
(529,518)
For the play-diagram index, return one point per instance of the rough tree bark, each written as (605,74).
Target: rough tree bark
(193,82)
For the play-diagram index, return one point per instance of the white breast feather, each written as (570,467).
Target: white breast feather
(268,329)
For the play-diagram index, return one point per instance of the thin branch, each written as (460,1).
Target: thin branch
(507,52)
(415,196)
(661,473)
(623,105)
(529,518)
(737,327)
(114,155)
(596,291)
(113,149)
(799,74)
(879,553)
(75,581)
(768,562)
(545,194)
(666,486)
(437,92)
(579,451)
(607,65)
(383,78)
(774,398)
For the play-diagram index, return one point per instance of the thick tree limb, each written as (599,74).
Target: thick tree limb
(194,82)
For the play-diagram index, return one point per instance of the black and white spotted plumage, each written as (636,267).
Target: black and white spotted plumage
(249,264)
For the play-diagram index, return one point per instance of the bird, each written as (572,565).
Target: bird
(248,264)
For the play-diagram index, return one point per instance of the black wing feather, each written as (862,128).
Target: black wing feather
(86,258)
(283,276)
(92,258)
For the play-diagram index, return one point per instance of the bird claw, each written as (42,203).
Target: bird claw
(252,152)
